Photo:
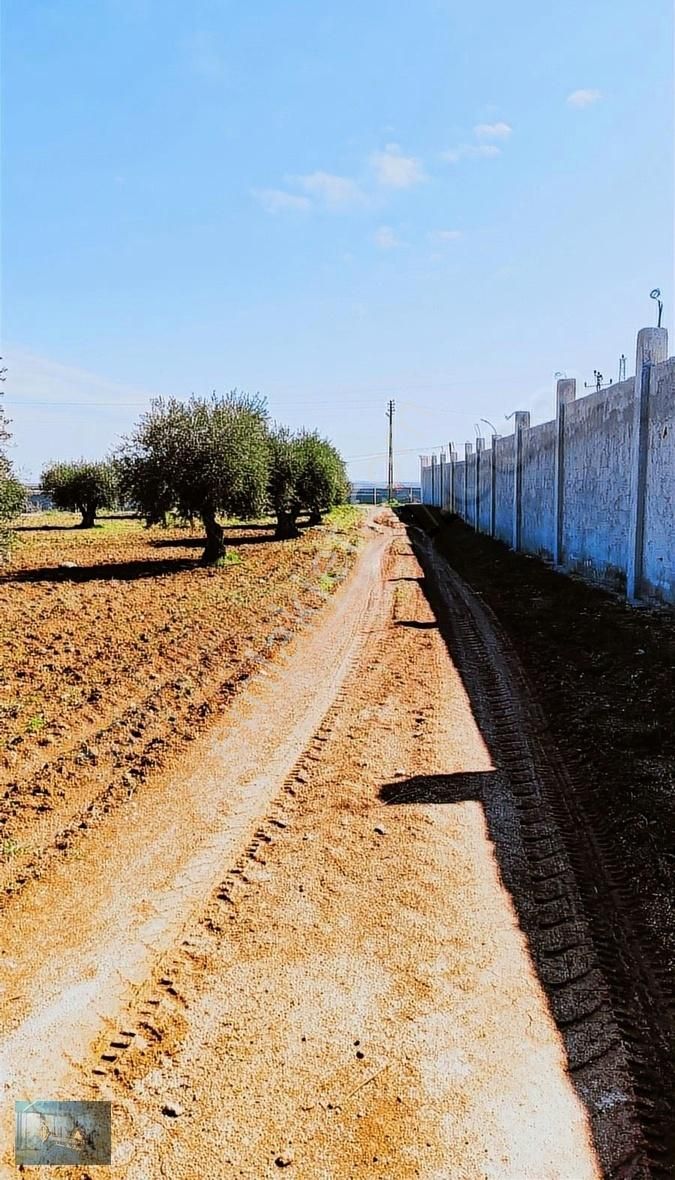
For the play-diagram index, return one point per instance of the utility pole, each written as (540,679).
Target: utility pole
(390,470)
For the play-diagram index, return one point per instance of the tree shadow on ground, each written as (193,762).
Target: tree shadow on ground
(249,527)
(54,528)
(101,521)
(123,571)
(198,542)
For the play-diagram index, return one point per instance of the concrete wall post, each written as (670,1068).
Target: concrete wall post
(522,421)
(652,348)
(440,478)
(493,488)
(566,392)
(433,481)
(468,450)
(453,493)
(480,447)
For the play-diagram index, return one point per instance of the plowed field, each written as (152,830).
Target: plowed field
(116,648)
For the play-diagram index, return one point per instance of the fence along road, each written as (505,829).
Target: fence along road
(592,491)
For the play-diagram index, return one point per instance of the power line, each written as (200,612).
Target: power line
(399,451)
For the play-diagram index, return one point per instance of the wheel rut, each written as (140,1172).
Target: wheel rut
(610,1000)
(79,940)
(357,998)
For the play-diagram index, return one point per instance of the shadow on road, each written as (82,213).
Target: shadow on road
(438,788)
(553,885)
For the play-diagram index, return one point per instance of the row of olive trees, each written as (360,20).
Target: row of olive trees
(205,459)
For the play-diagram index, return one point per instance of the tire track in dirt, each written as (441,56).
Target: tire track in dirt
(357,997)
(611,1001)
(80,939)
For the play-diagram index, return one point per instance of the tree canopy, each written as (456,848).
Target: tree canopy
(323,481)
(202,458)
(12,493)
(284,482)
(307,474)
(80,486)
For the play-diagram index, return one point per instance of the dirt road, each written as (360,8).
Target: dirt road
(315,949)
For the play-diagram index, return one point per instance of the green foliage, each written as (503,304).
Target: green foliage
(9,848)
(202,458)
(78,486)
(284,480)
(307,474)
(12,493)
(323,481)
(229,558)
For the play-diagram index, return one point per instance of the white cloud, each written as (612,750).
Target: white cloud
(445,235)
(583,98)
(276,200)
(334,191)
(385,238)
(394,170)
(484,151)
(493,130)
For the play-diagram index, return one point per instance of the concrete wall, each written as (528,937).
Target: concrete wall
(485,491)
(470,469)
(596,484)
(658,570)
(505,452)
(538,484)
(460,473)
(593,489)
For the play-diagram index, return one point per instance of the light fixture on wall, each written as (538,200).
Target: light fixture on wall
(598,382)
(495,432)
(656,294)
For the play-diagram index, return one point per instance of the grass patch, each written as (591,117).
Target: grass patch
(232,557)
(9,848)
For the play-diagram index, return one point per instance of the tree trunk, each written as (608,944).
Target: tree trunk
(286,526)
(88,516)
(214,549)
(314,517)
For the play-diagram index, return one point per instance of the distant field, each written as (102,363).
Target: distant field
(117,647)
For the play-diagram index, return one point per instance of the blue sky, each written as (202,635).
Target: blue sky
(331,204)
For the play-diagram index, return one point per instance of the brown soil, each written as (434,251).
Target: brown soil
(344,932)
(118,649)
(604,672)
(600,673)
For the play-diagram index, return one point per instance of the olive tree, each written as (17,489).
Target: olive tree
(323,481)
(203,459)
(307,474)
(12,494)
(284,481)
(80,486)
